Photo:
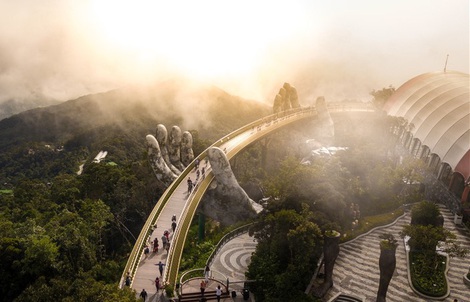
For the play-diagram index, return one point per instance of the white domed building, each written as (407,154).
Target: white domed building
(436,106)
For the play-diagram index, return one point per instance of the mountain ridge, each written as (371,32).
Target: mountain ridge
(140,108)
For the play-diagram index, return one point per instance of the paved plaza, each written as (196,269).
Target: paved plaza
(356,270)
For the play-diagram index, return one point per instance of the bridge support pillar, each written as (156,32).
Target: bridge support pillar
(201,226)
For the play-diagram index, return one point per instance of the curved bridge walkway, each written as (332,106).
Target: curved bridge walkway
(142,268)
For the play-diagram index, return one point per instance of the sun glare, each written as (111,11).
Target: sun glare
(206,39)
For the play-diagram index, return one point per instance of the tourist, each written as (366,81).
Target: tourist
(206,273)
(160,268)
(146,251)
(218,293)
(202,287)
(203,172)
(173,226)
(143,294)
(128,279)
(157,284)
(190,185)
(164,241)
(155,245)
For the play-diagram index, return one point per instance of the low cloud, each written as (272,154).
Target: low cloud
(55,50)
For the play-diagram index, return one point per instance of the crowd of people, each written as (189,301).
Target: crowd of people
(165,241)
(200,174)
(154,245)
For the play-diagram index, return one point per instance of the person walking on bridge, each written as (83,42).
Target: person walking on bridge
(164,241)
(160,268)
(157,284)
(155,245)
(190,185)
(143,294)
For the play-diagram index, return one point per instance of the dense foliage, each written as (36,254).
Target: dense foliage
(429,280)
(68,237)
(65,236)
(427,236)
(286,254)
(326,192)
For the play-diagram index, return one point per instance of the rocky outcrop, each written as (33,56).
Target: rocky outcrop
(226,201)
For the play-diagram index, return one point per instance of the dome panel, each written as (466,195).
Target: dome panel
(405,96)
(438,110)
(433,98)
(438,105)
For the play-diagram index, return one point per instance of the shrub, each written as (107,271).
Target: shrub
(428,277)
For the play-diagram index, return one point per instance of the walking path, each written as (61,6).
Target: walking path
(142,268)
(233,259)
(232,262)
(356,270)
(148,265)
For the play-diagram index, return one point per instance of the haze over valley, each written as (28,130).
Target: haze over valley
(52,51)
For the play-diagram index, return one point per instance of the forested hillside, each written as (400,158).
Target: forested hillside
(66,236)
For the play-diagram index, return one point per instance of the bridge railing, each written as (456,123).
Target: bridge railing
(171,271)
(136,253)
(350,106)
(227,237)
(176,248)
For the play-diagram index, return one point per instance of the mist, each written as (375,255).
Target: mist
(342,50)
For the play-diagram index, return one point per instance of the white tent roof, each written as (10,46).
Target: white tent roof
(438,105)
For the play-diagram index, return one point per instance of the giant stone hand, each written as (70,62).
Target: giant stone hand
(159,167)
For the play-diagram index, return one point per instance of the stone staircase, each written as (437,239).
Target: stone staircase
(346,298)
(196,296)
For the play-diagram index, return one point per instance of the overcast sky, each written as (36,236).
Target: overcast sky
(63,49)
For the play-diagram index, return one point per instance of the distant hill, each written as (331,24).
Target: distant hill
(209,110)
(14,106)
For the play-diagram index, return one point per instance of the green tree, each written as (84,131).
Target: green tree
(425,213)
(381,96)
(39,256)
(288,247)
(425,237)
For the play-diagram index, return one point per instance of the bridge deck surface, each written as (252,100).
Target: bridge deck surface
(147,269)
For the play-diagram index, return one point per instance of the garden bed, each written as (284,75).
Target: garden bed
(428,274)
